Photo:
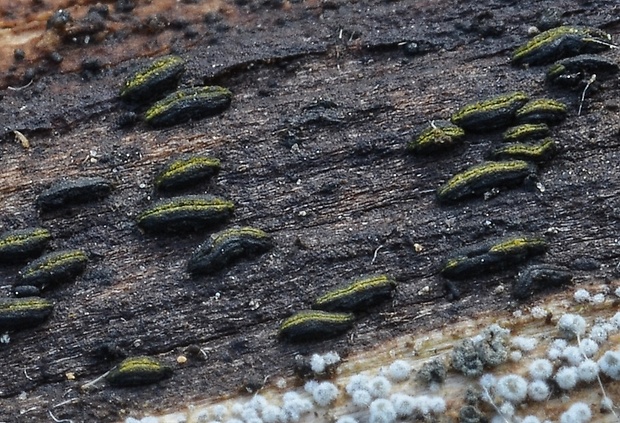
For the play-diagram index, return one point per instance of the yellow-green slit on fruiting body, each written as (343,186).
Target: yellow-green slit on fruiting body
(542,110)
(440,136)
(526,132)
(189,103)
(572,71)
(136,371)
(536,153)
(56,267)
(185,213)
(73,191)
(479,178)
(494,113)
(22,244)
(560,42)
(154,79)
(491,256)
(357,295)
(22,313)
(311,325)
(185,172)
(228,246)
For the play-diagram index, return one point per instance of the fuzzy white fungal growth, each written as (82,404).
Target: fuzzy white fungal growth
(588,347)
(598,333)
(507,409)
(437,405)
(357,382)
(219,411)
(598,299)
(488,381)
(587,371)
(325,393)
(581,296)
(571,326)
(379,387)
(512,388)
(382,411)
(615,320)
(310,386)
(538,390)
(538,312)
(573,355)
(579,412)
(272,414)
(258,402)
(617,292)
(404,405)
(607,404)
(523,343)
(556,348)
(317,363)
(399,371)
(541,369)
(346,419)
(566,378)
(331,358)
(609,364)
(361,398)
(530,419)
(516,356)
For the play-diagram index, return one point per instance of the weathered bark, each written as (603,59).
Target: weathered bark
(313,152)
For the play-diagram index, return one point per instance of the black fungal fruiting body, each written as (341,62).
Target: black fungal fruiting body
(478,179)
(185,172)
(228,246)
(22,244)
(185,213)
(22,313)
(59,266)
(491,256)
(490,114)
(309,325)
(75,191)
(153,80)
(357,295)
(537,277)
(136,371)
(560,42)
(570,72)
(542,110)
(187,104)
(441,136)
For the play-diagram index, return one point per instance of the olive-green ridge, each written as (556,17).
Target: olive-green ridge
(527,130)
(181,166)
(316,316)
(60,259)
(24,237)
(189,204)
(482,170)
(356,286)
(490,105)
(246,231)
(201,93)
(153,71)
(516,245)
(25,304)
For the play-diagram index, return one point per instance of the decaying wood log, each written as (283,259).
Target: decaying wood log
(326,96)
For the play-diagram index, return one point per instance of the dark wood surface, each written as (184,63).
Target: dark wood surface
(326,96)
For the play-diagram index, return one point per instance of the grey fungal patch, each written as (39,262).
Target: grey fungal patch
(433,371)
(228,246)
(74,191)
(538,277)
(22,313)
(185,213)
(489,349)
(22,244)
(59,266)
